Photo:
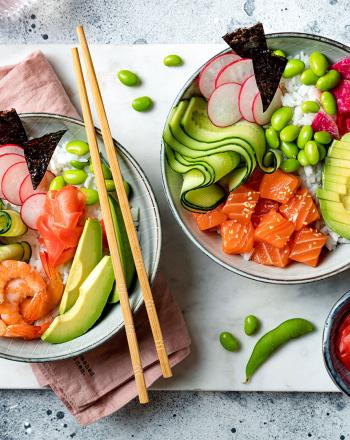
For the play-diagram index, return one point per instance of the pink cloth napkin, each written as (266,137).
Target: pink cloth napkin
(101,381)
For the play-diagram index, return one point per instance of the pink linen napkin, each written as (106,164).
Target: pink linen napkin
(101,381)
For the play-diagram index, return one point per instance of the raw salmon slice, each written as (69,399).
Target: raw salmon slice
(271,256)
(301,209)
(255,179)
(307,246)
(279,186)
(263,207)
(237,238)
(274,229)
(240,204)
(211,219)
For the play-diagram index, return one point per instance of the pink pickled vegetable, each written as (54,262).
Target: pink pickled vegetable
(324,122)
(342,95)
(343,67)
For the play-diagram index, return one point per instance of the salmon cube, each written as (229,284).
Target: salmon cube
(211,219)
(269,255)
(240,204)
(274,229)
(307,245)
(279,186)
(300,209)
(237,238)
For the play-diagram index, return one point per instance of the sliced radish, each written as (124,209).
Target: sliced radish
(11,148)
(32,209)
(249,90)
(223,107)
(12,181)
(6,161)
(26,189)
(237,72)
(208,74)
(261,117)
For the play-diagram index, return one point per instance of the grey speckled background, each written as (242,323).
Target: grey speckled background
(38,414)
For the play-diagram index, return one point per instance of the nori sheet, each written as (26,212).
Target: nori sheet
(244,40)
(38,153)
(268,69)
(11,128)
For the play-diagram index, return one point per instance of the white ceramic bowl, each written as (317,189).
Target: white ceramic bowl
(210,244)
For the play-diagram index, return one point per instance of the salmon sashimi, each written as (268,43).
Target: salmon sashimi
(301,209)
(237,238)
(271,256)
(263,207)
(307,246)
(211,219)
(255,179)
(240,204)
(274,229)
(279,186)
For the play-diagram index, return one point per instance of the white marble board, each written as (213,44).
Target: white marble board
(211,298)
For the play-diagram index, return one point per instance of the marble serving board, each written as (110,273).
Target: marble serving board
(212,298)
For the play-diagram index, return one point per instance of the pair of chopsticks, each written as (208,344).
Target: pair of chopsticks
(127,216)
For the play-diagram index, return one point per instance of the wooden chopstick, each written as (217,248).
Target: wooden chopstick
(112,242)
(125,208)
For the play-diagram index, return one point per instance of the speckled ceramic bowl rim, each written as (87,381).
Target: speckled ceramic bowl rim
(156,259)
(169,198)
(326,341)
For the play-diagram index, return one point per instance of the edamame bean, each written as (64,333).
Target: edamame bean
(289,133)
(322,151)
(305,135)
(80,148)
(311,152)
(310,107)
(323,137)
(57,183)
(142,104)
(308,78)
(128,78)
(280,53)
(105,170)
(74,177)
(172,61)
(303,159)
(328,81)
(290,165)
(110,186)
(91,195)
(281,117)
(274,339)
(318,63)
(80,165)
(329,103)
(293,67)
(229,342)
(290,150)
(251,325)
(271,137)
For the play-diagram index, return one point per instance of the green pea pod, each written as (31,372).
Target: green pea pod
(274,339)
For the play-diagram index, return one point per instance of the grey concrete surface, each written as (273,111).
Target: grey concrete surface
(192,415)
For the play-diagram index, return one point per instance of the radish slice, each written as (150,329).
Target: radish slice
(6,161)
(208,74)
(32,208)
(261,117)
(223,105)
(249,90)
(26,189)
(12,181)
(237,72)
(11,148)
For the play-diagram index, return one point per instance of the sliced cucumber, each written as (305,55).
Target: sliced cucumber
(27,251)
(11,224)
(5,222)
(12,251)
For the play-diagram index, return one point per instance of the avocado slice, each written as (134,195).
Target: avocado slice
(336,178)
(87,255)
(339,153)
(346,137)
(336,187)
(327,195)
(93,296)
(336,170)
(337,163)
(123,247)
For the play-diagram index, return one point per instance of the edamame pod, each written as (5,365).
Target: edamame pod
(290,165)
(311,152)
(328,81)
(274,339)
(229,342)
(128,78)
(323,137)
(289,133)
(293,67)
(305,136)
(251,325)
(281,117)
(328,103)
(142,104)
(318,63)
(308,78)
(74,177)
(172,60)
(310,107)
(80,148)
(290,150)
(57,183)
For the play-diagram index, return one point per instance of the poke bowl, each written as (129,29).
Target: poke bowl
(66,279)
(201,134)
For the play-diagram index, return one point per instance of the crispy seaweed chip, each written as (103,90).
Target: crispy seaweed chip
(11,128)
(268,69)
(244,40)
(38,153)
